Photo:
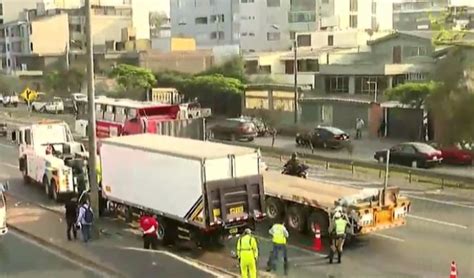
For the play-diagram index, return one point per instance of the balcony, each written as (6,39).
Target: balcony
(301,17)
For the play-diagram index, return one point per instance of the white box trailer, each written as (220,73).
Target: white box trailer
(198,189)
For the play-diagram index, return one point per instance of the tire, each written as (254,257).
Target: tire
(322,219)
(415,164)
(167,232)
(295,218)
(274,209)
(26,179)
(47,188)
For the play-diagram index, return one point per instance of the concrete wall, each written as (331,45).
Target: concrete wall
(108,28)
(41,41)
(183,61)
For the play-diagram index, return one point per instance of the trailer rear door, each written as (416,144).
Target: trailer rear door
(232,201)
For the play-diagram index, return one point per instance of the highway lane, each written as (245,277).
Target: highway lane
(20,257)
(438,232)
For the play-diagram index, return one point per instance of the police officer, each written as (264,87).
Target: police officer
(279,238)
(338,235)
(247,253)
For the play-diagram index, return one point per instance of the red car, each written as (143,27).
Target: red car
(456,155)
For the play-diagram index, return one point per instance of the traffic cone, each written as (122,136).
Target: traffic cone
(317,244)
(454,270)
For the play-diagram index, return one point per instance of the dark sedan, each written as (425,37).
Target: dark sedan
(413,154)
(234,129)
(323,136)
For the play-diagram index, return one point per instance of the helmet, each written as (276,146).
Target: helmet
(337,214)
(294,155)
(247,231)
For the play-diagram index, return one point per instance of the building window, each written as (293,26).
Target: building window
(1,9)
(304,40)
(353,5)
(273,36)
(273,3)
(353,21)
(330,40)
(295,17)
(31,47)
(308,65)
(337,84)
(217,35)
(251,34)
(265,69)
(416,76)
(9,63)
(200,20)
(217,18)
(374,7)
(411,51)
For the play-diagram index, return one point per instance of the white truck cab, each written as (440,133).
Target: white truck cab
(48,155)
(3,210)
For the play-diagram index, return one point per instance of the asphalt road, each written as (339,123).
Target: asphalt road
(20,257)
(440,229)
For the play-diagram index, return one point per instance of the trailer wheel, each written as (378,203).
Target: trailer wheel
(128,214)
(167,232)
(295,218)
(320,218)
(274,208)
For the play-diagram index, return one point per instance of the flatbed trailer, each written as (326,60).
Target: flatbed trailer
(306,203)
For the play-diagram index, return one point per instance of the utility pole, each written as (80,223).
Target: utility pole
(295,72)
(94,189)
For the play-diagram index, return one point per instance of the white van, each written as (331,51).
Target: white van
(3,209)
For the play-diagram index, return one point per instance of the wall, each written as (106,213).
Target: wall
(183,44)
(141,18)
(108,28)
(183,61)
(42,30)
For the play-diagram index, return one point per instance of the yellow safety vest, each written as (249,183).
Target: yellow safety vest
(340,226)
(98,169)
(247,245)
(279,234)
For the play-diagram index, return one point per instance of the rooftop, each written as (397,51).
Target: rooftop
(175,146)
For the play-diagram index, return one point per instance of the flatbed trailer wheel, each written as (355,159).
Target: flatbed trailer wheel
(295,218)
(320,218)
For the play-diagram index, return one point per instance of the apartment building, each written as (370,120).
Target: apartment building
(23,40)
(411,15)
(269,25)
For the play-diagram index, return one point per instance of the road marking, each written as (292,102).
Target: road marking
(56,253)
(437,221)
(179,258)
(6,146)
(9,165)
(389,237)
(440,202)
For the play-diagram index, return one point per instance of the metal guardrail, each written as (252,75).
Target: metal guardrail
(412,174)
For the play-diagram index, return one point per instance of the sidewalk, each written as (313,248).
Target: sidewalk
(117,253)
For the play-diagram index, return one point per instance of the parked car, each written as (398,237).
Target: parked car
(234,129)
(323,136)
(11,99)
(49,105)
(3,129)
(413,154)
(456,154)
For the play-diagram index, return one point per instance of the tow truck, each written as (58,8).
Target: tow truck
(49,156)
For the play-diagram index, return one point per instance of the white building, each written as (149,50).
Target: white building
(266,25)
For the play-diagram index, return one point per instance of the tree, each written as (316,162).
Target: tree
(132,78)
(157,19)
(412,94)
(233,68)
(64,82)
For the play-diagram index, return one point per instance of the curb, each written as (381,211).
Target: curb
(70,255)
(91,263)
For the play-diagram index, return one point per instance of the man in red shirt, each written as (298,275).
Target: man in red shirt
(149,226)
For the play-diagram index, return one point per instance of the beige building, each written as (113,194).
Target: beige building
(183,61)
(21,40)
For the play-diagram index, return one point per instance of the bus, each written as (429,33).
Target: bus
(117,117)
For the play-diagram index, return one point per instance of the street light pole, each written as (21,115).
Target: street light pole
(295,72)
(94,189)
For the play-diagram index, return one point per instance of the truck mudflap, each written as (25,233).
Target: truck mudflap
(233,203)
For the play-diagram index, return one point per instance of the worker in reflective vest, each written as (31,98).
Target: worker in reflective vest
(338,235)
(247,253)
(149,226)
(279,237)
